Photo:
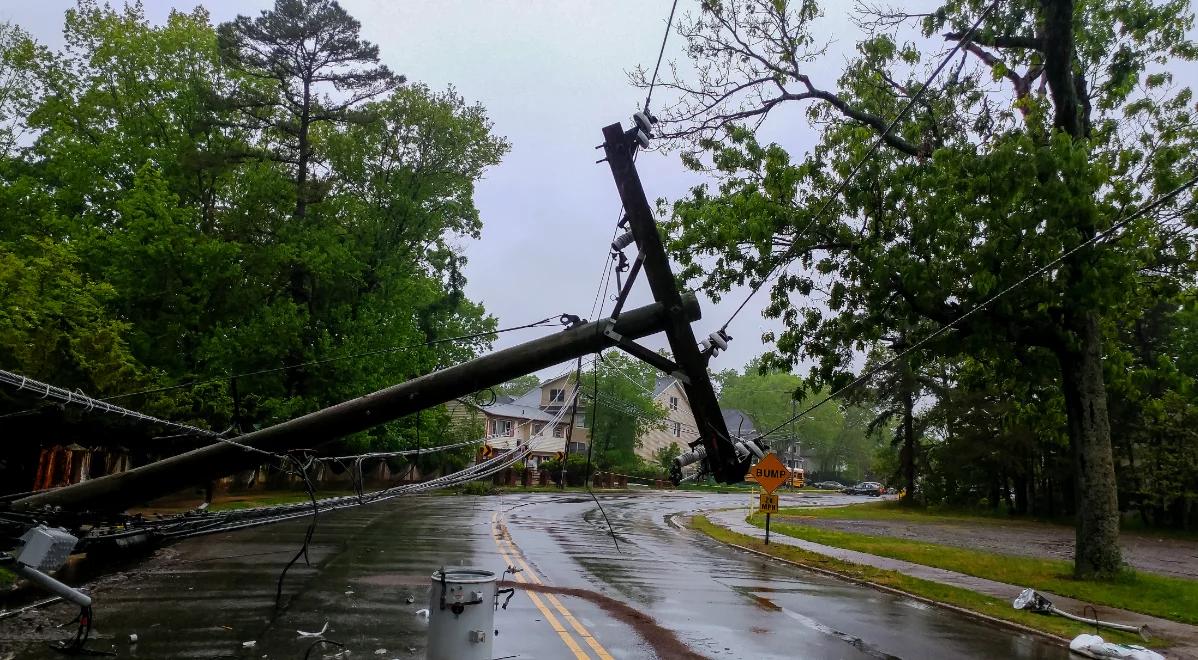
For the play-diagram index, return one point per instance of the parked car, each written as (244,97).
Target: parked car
(866,488)
(828,485)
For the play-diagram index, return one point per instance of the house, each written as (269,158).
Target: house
(517,420)
(512,420)
(680,427)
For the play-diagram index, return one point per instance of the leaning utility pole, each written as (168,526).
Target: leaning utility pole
(118,491)
(689,365)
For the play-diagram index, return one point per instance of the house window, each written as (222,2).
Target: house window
(582,422)
(673,403)
(557,395)
(677,429)
(502,427)
(537,426)
(559,430)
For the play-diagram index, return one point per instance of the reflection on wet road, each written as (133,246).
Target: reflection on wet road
(727,604)
(667,591)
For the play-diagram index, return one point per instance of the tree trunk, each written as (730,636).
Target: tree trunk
(909,444)
(1097,546)
(301,176)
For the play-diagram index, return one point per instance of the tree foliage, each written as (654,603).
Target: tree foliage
(1054,122)
(624,409)
(150,240)
(834,439)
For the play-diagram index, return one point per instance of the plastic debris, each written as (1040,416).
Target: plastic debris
(315,634)
(423,614)
(249,645)
(410,600)
(133,638)
(380,651)
(1093,646)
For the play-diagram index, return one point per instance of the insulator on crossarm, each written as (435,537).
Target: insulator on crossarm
(644,121)
(622,241)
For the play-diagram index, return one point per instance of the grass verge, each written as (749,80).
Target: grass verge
(1169,598)
(893,510)
(954,597)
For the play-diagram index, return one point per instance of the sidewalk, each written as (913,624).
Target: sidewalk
(1184,637)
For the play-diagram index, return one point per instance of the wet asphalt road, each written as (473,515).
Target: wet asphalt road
(206,597)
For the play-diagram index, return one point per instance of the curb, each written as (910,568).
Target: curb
(898,592)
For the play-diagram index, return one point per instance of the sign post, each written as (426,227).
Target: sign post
(769,473)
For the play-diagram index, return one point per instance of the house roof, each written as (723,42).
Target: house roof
(663,382)
(517,410)
(738,423)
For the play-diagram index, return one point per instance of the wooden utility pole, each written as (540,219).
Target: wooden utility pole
(119,491)
(692,365)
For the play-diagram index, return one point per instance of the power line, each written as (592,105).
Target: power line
(1151,206)
(78,398)
(868,155)
(660,53)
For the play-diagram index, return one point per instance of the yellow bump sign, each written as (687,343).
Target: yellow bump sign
(770,473)
(768,503)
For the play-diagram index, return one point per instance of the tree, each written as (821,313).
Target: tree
(624,409)
(664,457)
(829,437)
(517,386)
(149,249)
(926,231)
(302,47)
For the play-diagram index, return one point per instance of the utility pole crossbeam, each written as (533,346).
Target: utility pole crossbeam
(119,491)
(721,458)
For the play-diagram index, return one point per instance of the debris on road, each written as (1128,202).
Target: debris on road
(1093,646)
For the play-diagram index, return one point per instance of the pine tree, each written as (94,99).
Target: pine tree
(304,47)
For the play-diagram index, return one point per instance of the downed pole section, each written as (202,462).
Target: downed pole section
(117,492)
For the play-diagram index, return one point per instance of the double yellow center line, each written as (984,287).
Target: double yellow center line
(511,555)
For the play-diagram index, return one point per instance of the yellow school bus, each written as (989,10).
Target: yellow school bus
(798,475)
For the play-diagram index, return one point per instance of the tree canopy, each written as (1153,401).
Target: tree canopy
(151,249)
(1045,130)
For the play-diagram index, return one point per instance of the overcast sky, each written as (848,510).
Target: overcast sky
(551,74)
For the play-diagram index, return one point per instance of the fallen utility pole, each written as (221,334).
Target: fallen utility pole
(119,491)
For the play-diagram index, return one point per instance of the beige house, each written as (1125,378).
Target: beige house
(518,420)
(680,427)
(512,420)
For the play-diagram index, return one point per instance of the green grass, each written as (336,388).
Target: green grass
(7,577)
(956,596)
(1169,598)
(893,510)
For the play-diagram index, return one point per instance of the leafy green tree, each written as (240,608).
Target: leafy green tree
(828,437)
(148,244)
(303,47)
(664,457)
(517,386)
(624,410)
(19,86)
(968,195)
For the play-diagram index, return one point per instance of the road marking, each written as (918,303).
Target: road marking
(557,604)
(558,628)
